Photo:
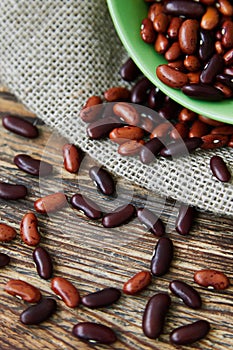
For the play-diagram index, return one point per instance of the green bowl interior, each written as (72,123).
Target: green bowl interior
(127,16)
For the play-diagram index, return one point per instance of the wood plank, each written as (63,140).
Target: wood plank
(93,257)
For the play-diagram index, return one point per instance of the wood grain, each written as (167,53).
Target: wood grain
(93,257)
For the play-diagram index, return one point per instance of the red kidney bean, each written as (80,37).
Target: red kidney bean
(203,92)
(179,148)
(24,290)
(228,93)
(101,298)
(43,261)
(206,47)
(186,115)
(119,216)
(190,333)
(173,52)
(190,9)
(147,31)
(211,141)
(131,147)
(87,206)
(7,233)
(226,79)
(155,98)
(140,91)
(161,130)
(227,34)
(150,149)
(169,110)
(154,10)
(209,121)
(171,76)
(210,19)
(94,332)
(188,294)
(228,57)
(211,278)
(180,130)
(162,257)
(151,221)
(219,169)
(4,259)
(212,68)
(198,129)
(51,203)
(20,126)
(121,135)
(117,93)
(147,124)
(174,26)
(29,229)
(103,180)
(137,283)
(188,36)
(32,166)
(12,191)
(192,63)
(185,219)
(127,112)
(66,290)
(72,158)
(40,312)
(102,127)
(129,70)
(154,315)
(92,109)
(160,23)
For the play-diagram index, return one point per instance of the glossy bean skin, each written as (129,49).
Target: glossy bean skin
(149,150)
(43,262)
(203,92)
(155,98)
(94,332)
(7,233)
(4,259)
(90,209)
(71,158)
(154,315)
(210,18)
(130,148)
(151,221)
(185,219)
(213,67)
(147,31)
(103,180)
(101,298)
(212,141)
(190,333)
(180,130)
(137,283)
(225,79)
(188,36)
(162,257)
(171,76)
(92,109)
(24,290)
(127,112)
(211,278)
(101,128)
(227,30)
(32,166)
(161,130)
(189,9)
(206,47)
(51,203)
(117,93)
(20,126)
(198,129)
(179,148)
(174,26)
(140,90)
(121,135)
(186,115)
(129,70)
(161,43)
(119,216)
(39,313)
(12,191)
(188,294)
(29,229)
(66,290)
(219,169)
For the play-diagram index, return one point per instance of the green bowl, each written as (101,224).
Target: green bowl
(127,16)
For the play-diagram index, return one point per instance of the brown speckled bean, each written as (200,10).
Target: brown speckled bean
(51,203)
(171,77)
(29,229)
(7,233)
(211,278)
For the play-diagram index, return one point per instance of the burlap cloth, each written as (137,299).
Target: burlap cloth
(54,55)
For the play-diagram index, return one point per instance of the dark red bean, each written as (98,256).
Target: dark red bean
(119,216)
(101,298)
(102,127)
(162,257)
(155,314)
(103,180)
(33,166)
(39,313)
(71,158)
(188,294)
(190,9)
(87,206)
(43,263)
(149,150)
(155,99)
(151,221)
(212,68)
(190,333)
(170,109)
(94,332)
(185,219)
(140,91)
(20,126)
(226,79)
(206,47)
(4,259)
(179,148)
(219,169)
(129,71)
(203,92)
(12,191)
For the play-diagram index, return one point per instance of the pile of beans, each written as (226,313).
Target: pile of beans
(157,307)
(196,38)
(162,129)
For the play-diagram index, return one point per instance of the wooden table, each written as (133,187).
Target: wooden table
(93,257)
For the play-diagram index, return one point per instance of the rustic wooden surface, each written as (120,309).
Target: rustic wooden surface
(93,257)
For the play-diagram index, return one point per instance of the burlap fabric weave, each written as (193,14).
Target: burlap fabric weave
(54,55)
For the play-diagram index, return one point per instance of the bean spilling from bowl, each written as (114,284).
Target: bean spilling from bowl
(196,38)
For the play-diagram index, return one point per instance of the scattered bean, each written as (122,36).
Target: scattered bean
(190,333)
(51,203)
(94,332)
(87,206)
(33,166)
(219,169)
(119,216)
(137,283)
(129,70)
(72,158)
(188,294)
(43,263)
(185,219)
(117,93)
(29,229)
(140,91)
(162,257)
(4,259)
(150,149)
(66,290)
(101,298)
(211,278)
(7,233)
(23,290)
(103,180)
(151,221)
(39,313)
(20,126)
(12,191)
